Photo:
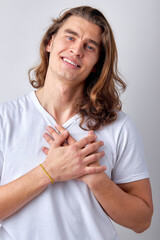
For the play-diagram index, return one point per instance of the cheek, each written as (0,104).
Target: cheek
(93,62)
(61,45)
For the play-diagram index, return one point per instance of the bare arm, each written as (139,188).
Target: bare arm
(17,193)
(59,162)
(129,204)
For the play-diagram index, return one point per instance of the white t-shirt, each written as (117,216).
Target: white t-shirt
(65,210)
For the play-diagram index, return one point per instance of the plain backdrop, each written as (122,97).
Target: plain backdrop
(136,28)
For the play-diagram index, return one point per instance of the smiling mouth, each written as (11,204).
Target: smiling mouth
(70,62)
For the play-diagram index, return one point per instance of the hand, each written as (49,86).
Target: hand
(89,179)
(65,162)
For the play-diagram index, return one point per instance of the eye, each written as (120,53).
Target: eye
(89,47)
(70,38)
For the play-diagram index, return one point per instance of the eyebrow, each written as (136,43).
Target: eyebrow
(68,30)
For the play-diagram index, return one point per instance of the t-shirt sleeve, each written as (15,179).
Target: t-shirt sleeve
(1,155)
(130,163)
(1,164)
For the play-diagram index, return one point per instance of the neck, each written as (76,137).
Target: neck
(59,99)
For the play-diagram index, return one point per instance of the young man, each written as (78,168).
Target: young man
(96,175)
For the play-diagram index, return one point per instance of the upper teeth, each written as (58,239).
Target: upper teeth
(67,60)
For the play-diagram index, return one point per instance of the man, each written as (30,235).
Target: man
(96,175)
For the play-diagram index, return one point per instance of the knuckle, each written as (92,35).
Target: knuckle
(78,156)
(97,156)
(80,162)
(91,148)
(93,158)
(92,170)
(50,129)
(60,136)
(73,147)
(86,140)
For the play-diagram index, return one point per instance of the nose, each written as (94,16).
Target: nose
(77,49)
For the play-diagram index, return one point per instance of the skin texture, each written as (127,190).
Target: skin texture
(74,42)
(57,98)
(17,193)
(129,204)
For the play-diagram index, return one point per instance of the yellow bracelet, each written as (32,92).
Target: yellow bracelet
(46,173)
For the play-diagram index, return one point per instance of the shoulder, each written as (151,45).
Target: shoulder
(116,126)
(122,119)
(125,122)
(120,130)
(11,109)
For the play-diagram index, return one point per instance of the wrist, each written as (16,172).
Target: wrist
(97,181)
(44,177)
(46,173)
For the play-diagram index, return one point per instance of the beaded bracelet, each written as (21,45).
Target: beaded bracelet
(46,173)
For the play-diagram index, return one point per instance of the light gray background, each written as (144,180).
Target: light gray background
(136,28)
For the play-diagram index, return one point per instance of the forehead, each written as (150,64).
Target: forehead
(83,27)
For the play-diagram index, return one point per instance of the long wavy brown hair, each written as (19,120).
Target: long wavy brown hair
(100,101)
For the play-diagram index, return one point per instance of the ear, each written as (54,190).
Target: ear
(49,45)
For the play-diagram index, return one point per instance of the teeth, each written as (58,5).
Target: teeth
(67,60)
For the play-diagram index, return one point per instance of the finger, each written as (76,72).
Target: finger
(48,138)
(52,132)
(84,141)
(45,150)
(94,170)
(60,139)
(65,144)
(60,129)
(91,132)
(91,148)
(93,158)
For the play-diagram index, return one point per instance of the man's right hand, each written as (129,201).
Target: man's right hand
(69,162)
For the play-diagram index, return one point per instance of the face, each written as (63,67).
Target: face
(74,50)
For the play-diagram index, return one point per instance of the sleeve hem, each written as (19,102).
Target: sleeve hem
(132,178)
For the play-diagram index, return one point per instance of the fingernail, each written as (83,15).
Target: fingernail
(103,153)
